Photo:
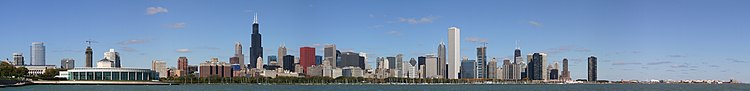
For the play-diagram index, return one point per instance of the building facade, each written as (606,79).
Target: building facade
(214,68)
(592,68)
(256,50)
(67,63)
(38,53)
(111,74)
(306,57)
(160,67)
(454,52)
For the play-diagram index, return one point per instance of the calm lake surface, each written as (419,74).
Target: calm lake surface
(374,87)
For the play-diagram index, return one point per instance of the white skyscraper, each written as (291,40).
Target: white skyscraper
(37,53)
(454,52)
(160,67)
(113,56)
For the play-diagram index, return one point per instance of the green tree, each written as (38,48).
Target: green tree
(50,73)
(20,71)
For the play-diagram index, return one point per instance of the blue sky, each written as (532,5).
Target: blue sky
(634,39)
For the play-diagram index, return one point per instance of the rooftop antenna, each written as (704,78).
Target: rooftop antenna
(517,47)
(255,19)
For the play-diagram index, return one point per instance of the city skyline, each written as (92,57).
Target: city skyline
(641,46)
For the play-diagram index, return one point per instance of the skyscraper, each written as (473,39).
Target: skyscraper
(318,60)
(351,59)
(256,50)
(441,67)
(517,69)
(536,69)
(281,55)
(288,63)
(431,67)
(565,76)
(400,65)
(306,57)
(18,59)
(37,53)
(509,70)
(330,54)
(160,67)
(468,68)
(239,55)
(482,62)
(391,62)
(492,69)
(182,64)
(89,56)
(113,56)
(67,63)
(592,68)
(454,52)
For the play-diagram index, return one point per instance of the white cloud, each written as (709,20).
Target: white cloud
(394,33)
(476,40)
(183,50)
(427,19)
(535,23)
(178,25)
(133,41)
(156,10)
(128,49)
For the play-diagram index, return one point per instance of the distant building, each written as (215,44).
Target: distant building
(182,65)
(273,60)
(565,76)
(492,69)
(234,60)
(38,53)
(105,63)
(330,54)
(536,67)
(281,56)
(239,57)
(351,59)
(468,68)
(113,56)
(288,63)
(256,49)
(432,68)
(67,63)
(441,66)
(482,62)
(160,67)
(454,52)
(592,68)
(89,56)
(306,57)
(18,59)
(318,60)
(352,72)
(214,68)
(37,69)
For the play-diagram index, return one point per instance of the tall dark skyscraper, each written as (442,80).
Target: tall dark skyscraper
(535,69)
(288,63)
(255,47)
(89,56)
(351,59)
(565,76)
(592,68)
(481,62)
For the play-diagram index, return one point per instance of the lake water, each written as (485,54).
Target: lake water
(254,87)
